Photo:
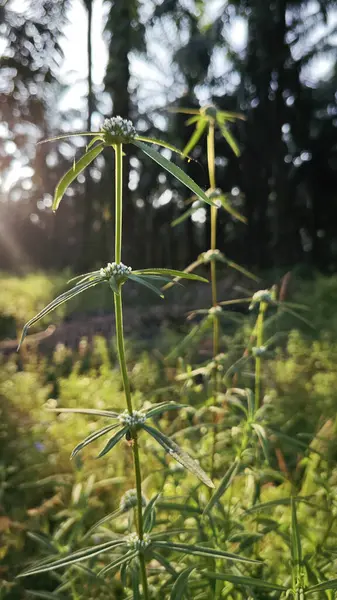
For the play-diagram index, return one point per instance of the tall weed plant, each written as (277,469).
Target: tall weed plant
(235,527)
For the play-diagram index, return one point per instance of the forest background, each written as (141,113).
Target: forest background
(273,61)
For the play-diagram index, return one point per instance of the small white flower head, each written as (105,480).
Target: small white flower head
(137,418)
(215,310)
(261,296)
(211,255)
(259,351)
(129,500)
(215,196)
(117,270)
(135,543)
(119,130)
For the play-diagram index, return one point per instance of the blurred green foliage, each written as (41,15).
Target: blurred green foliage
(47,500)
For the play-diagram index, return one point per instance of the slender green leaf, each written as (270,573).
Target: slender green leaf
(188,269)
(184,111)
(223,199)
(296,548)
(171,532)
(229,138)
(91,438)
(119,562)
(180,585)
(113,441)
(234,265)
(223,485)
(89,572)
(78,289)
(272,503)
(109,517)
(163,407)
(183,508)
(236,402)
(331,584)
(180,455)
(297,316)
(163,561)
(195,550)
(114,285)
(245,581)
(196,332)
(135,581)
(86,411)
(263,439)
(236,367)
(161,143)
(70,135)
(293,305)
(44,595)
(83,276)
(199,130)
(192,120)
(73,558)
(223,115)
(172,273)
(149,514)
(185,215)
(293,441)
(158,278)
(235,301)
(42,540)
(92,142)
(73,173)
(176,171)
(143,281)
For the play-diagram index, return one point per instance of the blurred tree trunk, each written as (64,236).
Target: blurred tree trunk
(125,34)
(86,258)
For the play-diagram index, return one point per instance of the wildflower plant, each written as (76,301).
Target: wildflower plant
(182,546)
(135,549)
(208,119)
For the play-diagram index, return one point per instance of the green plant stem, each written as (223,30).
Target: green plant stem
(118,201)
(122,358)
(258,360)
(214,211)
(121,349)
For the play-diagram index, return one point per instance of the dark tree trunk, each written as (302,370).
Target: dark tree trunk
(86,258)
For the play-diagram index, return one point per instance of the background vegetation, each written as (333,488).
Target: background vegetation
(164,55)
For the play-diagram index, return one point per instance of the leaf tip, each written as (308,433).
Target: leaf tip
(21,340)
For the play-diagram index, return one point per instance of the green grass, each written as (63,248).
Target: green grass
(46,499)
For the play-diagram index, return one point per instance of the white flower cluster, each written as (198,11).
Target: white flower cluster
(129,500)
(259,351)
(115,270)
(215,310)
(261,296)
(135,543)
(136,418)
(119,127)
(210,255)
